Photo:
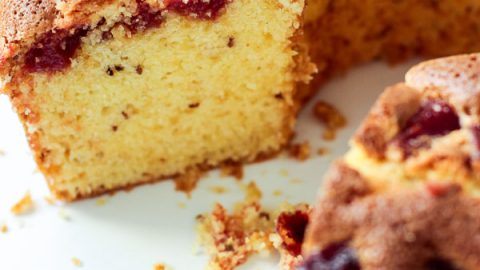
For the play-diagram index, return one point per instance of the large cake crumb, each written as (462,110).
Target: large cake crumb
(299,151)
(188,182)
(232,169)
(232,238)
(23,206)
(330,117)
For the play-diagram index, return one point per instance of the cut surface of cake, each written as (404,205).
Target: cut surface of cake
(117,93)
(406,196)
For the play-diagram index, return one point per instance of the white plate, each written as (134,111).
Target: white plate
(135,230)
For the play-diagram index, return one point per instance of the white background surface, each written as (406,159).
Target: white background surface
(135,230)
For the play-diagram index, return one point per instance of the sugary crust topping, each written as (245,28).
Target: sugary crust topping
(406,228)
(23,21)
(427,124)
(391,111)
(455,78)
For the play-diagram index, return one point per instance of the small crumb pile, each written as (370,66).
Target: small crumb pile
(231,238)
(23,206)
(331,117)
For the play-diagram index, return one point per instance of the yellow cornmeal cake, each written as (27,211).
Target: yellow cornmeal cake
(153,89)
(406,196)
(117,93)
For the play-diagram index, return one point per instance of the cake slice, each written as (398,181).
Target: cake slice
(117,93)
(406,196)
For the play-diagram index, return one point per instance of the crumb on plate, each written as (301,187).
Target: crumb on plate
(322,151)
(284,172)
(232,237)
(50,200)
(181,205)
(188,182)
(232,169)
(77,262)
(299,151)
(23,206)
(159,266)
(330,117)
(277,193)
(101,201)
(218,189)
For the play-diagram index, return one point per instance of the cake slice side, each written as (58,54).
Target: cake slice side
(146,97)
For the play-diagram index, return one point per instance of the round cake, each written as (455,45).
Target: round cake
(406,196)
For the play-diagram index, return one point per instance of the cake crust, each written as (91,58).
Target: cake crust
(406,194)
(396,229)
(24,21)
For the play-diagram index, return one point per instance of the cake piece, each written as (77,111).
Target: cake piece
(406,196)
(344,33)
(117,93)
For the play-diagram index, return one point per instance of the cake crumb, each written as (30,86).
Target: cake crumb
(101,201)
(322,151)
(218,189)
(252,192)
(284,172)
(188,182)
(23,206)
(77,262)
(50,200)
(159,266)
(232,169)
(232,238)
(277,193)
(4,228)
(330,117)
(296,181)
(299,151)
(181,205)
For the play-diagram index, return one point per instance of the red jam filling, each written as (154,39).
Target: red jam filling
(203,9)
(434,118)
(145,18)
(439,264)
(53,52)
(291,228)
(337,256)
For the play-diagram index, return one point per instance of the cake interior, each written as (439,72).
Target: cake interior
(153,104)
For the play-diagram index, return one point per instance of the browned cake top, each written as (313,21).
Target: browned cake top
(431,122)
(56,27)
(357,227)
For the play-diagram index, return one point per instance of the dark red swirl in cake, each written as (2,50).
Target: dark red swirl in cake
(54,50)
